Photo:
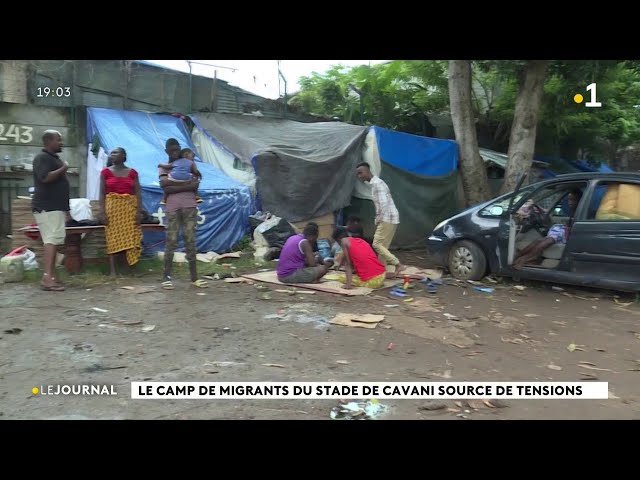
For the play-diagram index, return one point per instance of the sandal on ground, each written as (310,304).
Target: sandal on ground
(52,288)
(55,282)
(200,283)
(398,292)
(167,284)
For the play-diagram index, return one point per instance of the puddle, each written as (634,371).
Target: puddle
(301,313)
(319,321)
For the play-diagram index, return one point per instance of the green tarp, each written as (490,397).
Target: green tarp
(422,203)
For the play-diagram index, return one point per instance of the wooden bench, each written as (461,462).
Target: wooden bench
(73,260)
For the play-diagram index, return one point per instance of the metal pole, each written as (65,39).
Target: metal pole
(278,62)
(284,80)
(190,89)
(360,95)
(214,94)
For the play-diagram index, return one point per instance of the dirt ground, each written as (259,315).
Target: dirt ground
(231,332)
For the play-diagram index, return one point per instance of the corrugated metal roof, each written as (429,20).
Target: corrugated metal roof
(501,159)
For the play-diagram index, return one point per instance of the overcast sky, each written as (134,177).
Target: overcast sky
(260,76)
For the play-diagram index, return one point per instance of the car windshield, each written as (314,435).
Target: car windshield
(502,204)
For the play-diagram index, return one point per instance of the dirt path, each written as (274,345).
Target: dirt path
(228,333)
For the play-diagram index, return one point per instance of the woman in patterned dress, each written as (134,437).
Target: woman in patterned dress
(120,209)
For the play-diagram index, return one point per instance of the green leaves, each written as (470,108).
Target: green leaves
(402,94)
(399,94)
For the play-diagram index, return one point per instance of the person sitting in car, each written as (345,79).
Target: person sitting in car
(558,233)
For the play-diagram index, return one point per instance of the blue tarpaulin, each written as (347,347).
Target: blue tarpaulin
(430,157)
(227,203)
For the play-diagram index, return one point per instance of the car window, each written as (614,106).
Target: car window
(497,208)
(615,201)
(561,208)
(552,199)
(548,197)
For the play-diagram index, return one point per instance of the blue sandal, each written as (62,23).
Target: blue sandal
(398,292)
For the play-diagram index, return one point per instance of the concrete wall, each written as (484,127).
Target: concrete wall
(22,126)
(21,129)
(13,85)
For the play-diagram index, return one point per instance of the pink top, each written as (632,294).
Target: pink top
(176,201)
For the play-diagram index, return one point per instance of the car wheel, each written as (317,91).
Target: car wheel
(467,261)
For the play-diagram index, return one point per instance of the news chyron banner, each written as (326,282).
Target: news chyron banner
(386,390)
(339,390)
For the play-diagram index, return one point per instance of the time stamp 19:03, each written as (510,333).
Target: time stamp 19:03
(55,92)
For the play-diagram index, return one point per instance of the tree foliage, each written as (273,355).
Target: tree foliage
(400,94)
(408,95)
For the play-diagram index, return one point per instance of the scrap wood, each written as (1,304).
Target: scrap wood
(139,289)
(213,257)
(367,320)
(235,280)
(229,255)
(294,291)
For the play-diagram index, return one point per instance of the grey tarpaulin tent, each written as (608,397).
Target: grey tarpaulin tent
(303,170)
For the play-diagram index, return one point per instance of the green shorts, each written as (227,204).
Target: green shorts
(304,275)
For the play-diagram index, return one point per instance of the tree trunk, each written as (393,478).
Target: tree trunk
(525,122)
(613,158)
(472,168)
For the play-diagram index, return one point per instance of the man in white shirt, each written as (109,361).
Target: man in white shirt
(387,217)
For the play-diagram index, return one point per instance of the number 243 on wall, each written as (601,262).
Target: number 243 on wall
(19,133)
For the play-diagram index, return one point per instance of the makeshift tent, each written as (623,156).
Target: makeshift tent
(422,175)
(301,170)
(216,154)
(227,203)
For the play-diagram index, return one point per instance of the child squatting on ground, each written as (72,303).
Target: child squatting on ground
(182,170)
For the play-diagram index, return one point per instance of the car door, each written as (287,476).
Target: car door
(604,244)
(505,242)
(513,236)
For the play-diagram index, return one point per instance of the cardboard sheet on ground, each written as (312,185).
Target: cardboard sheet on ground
(417,273)
(324,286)
(367,320)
